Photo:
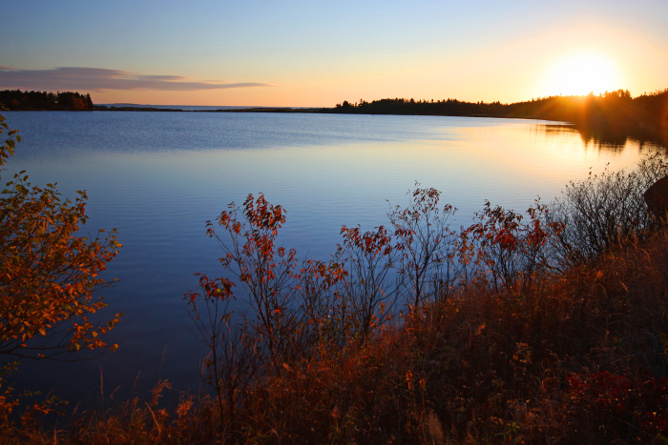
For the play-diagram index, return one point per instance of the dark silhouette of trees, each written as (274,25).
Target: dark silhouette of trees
(608,118)
(41,100)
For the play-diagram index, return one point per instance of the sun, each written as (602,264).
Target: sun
(581,73)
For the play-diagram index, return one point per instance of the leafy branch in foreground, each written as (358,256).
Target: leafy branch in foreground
(426,245)
(47,271)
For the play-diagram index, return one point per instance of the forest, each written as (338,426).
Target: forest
(13,100)
(609,117)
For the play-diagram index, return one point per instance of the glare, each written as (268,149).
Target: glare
(582,73)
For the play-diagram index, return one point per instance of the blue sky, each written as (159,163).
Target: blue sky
(309,53)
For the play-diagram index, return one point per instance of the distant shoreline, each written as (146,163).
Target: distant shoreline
(612,133)
(213,110)
(322,110)
(610,118)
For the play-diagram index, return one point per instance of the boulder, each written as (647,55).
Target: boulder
(656,198)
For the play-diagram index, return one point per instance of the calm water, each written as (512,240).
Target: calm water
(158,177)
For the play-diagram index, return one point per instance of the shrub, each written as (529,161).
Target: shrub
(48,273)
(626,408)
(606,209)
(492,347)
(507,251)
(427,250)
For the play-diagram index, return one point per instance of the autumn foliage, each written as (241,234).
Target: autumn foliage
(414,332)
(48,271)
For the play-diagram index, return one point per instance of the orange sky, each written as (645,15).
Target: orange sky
(296,53)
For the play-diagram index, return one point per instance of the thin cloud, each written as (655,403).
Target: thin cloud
(95,79)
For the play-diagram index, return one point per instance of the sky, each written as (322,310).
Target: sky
(317,54)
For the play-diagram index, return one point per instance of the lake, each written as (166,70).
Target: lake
(158,177)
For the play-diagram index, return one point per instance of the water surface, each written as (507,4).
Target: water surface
(158,177)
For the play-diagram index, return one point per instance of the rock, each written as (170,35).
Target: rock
(656,198)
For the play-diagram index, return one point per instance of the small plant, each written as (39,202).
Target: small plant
(265,270)
(232,362)
(370,284)
(426,247)
(512,253)
(325,313)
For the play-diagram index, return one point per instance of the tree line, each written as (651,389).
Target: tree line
(14,100)
(609,117)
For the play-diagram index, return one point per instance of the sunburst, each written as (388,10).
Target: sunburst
(580,73)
